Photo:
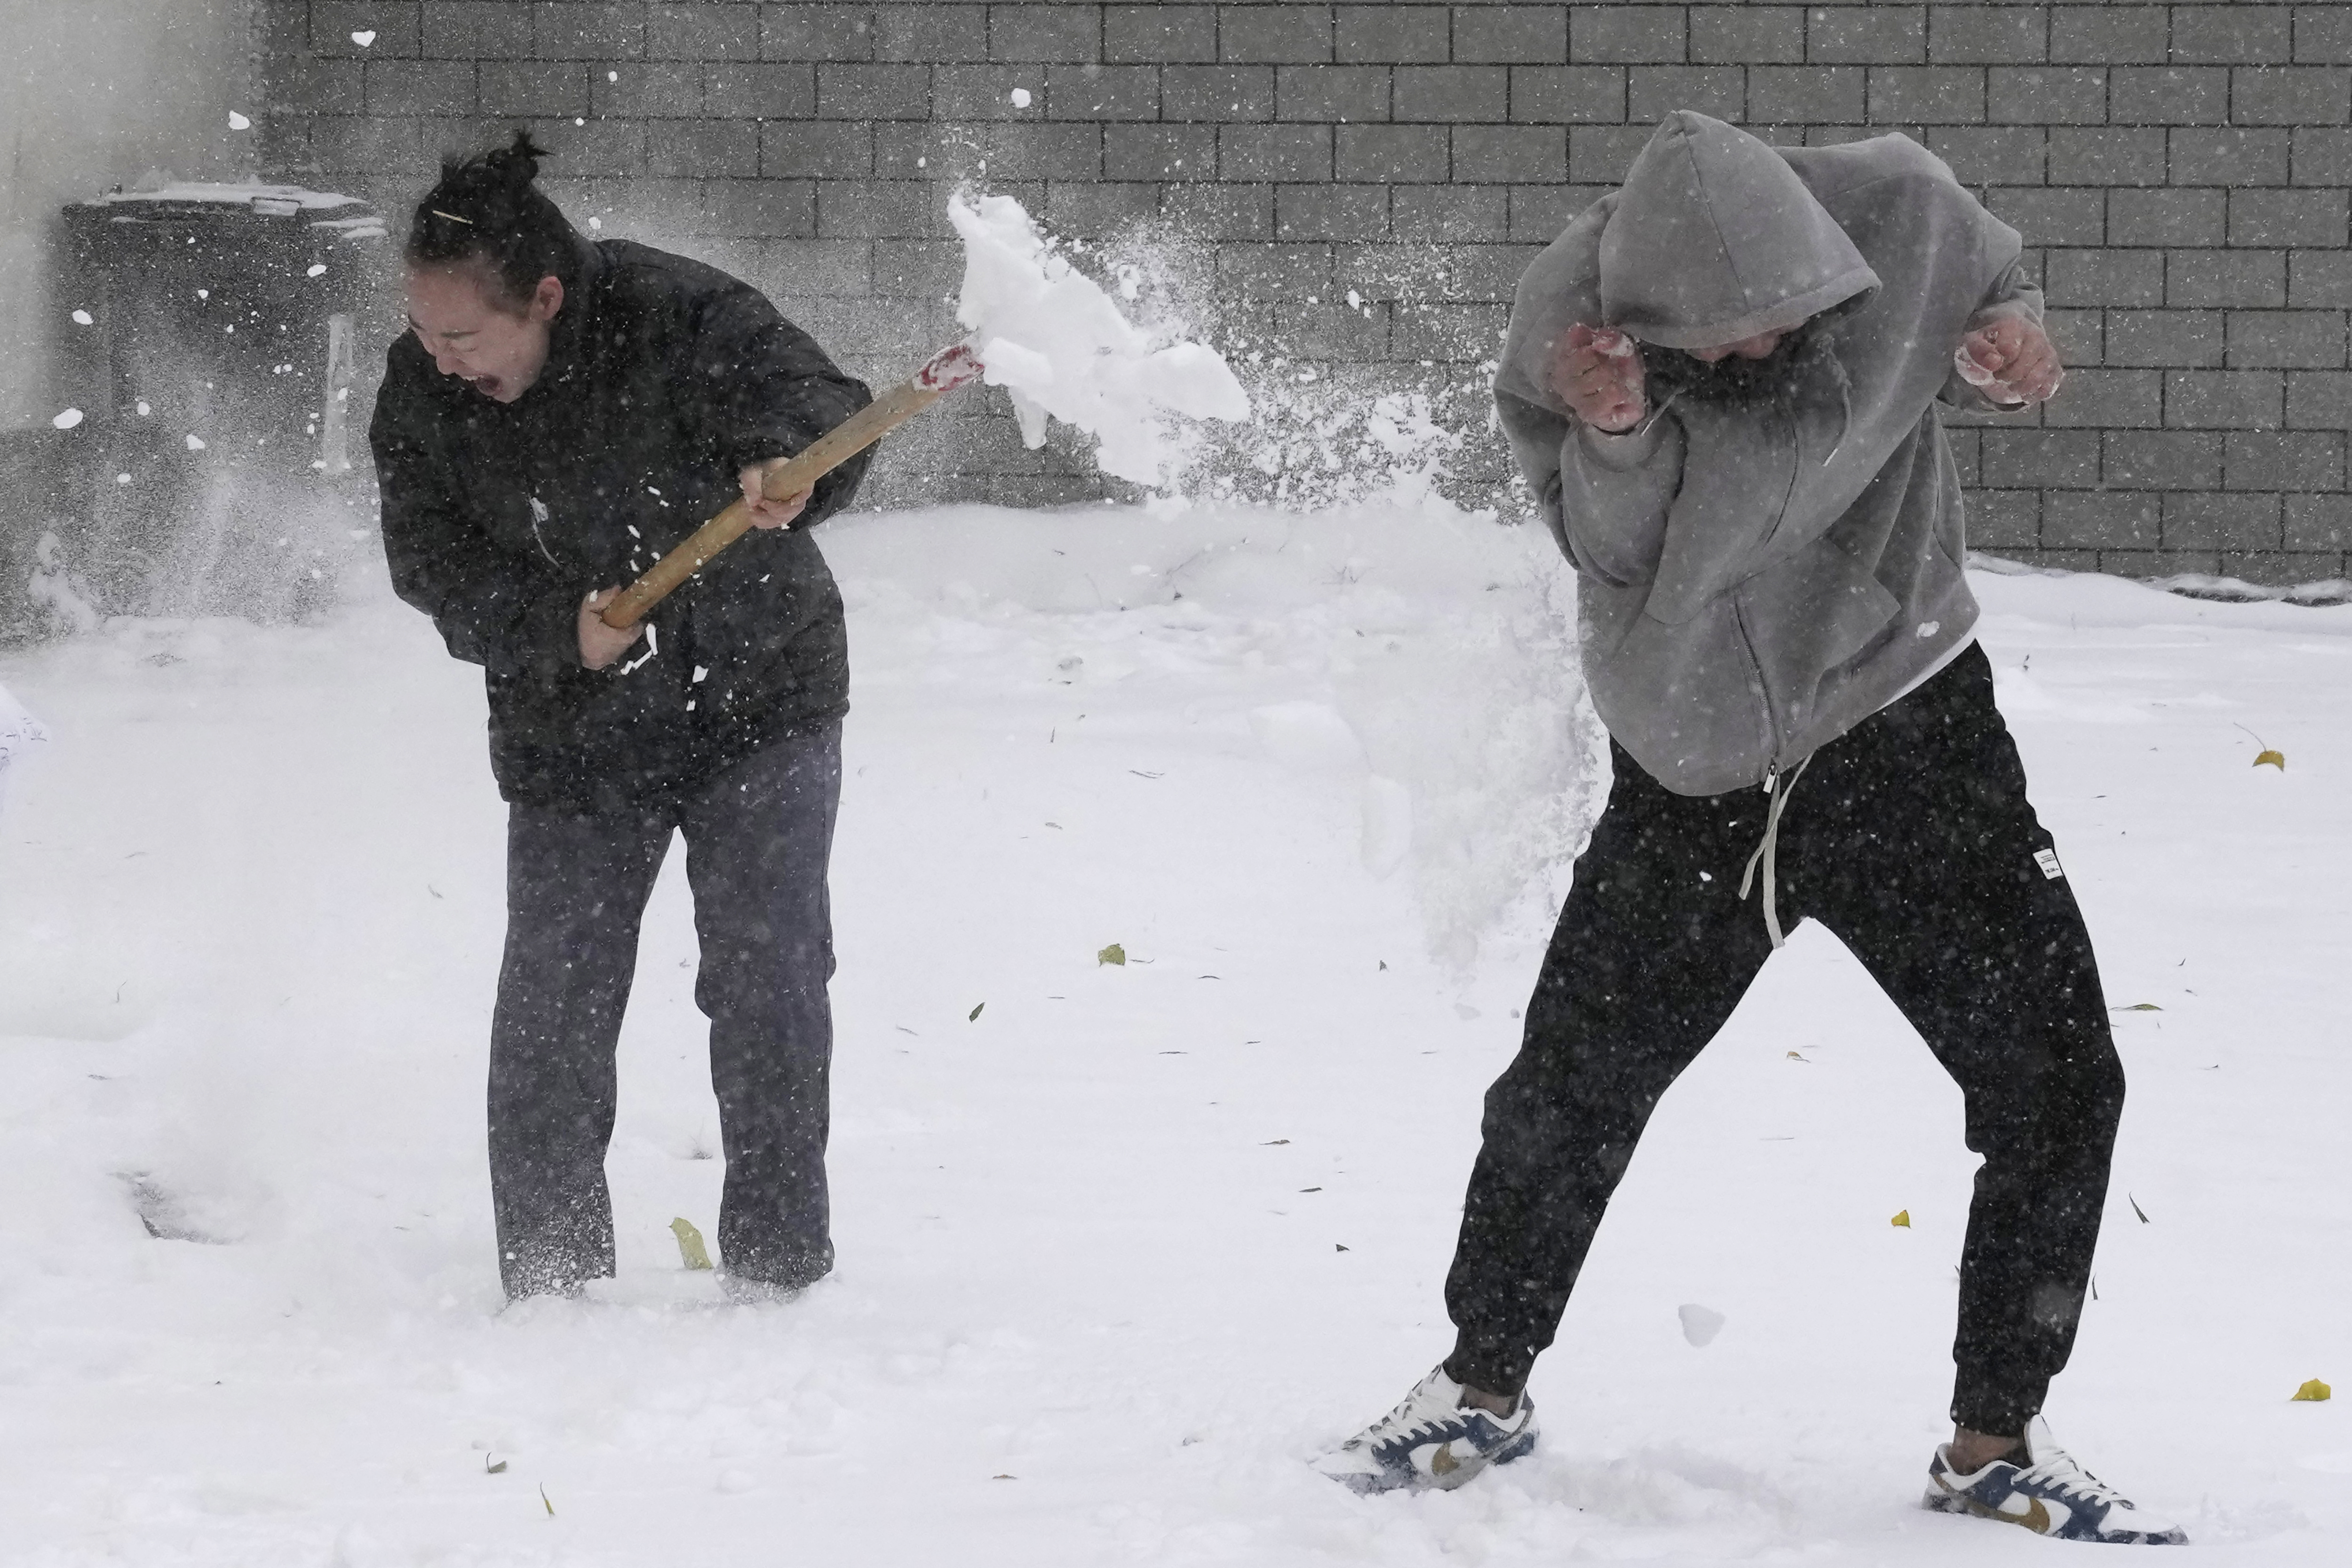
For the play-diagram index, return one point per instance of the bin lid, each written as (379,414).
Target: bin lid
(350,217)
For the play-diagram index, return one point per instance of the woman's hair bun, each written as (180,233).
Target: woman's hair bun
(486,205)
(515,165)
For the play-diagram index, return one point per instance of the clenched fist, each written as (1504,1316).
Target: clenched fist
(2013,361)
(1596,371)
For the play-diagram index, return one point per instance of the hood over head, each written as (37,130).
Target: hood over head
(1715,239)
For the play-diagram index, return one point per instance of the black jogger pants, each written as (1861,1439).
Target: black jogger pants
(758,840)
(1911,838)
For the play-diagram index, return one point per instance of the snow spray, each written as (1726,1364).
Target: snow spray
(1059,344)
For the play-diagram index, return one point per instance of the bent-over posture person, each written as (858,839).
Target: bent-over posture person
(1722,382)
(563,411)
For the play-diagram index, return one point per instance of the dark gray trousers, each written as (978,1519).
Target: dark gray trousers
(758,838)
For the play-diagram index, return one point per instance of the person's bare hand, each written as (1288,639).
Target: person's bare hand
(1596,371)
(766,513)
(2012,360)
(599,645)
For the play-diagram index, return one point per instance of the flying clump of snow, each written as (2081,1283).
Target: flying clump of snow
(1056,341)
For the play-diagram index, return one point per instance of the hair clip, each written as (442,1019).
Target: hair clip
(453,218)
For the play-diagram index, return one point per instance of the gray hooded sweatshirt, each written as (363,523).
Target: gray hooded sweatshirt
(1755,581)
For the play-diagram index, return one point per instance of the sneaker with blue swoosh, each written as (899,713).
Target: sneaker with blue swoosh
(1431,1441)
(2050,1494)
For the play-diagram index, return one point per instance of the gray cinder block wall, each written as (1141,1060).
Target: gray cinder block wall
(2180,172)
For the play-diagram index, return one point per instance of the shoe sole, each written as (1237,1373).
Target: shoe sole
(1941,1501)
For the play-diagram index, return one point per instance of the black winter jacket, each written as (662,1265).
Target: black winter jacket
(664,377)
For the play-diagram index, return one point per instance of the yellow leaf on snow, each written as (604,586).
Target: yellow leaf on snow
(2315,1391)
(2275,759)
(1114,953)
(690,1250)
(1903,1219)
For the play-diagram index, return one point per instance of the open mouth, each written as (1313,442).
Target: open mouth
(488,386)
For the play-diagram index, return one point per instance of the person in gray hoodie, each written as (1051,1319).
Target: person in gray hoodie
(1723,384)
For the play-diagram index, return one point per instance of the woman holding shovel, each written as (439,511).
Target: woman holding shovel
(563,411)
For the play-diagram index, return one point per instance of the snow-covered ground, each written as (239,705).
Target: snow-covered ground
(1119,1252)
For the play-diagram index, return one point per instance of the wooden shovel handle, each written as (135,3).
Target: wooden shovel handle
(946,370)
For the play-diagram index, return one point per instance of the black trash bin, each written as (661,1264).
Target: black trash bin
(223,468)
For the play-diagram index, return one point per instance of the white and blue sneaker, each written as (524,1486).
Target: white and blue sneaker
(1431,1440)
(2050,1494)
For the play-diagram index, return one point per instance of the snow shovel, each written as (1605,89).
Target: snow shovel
(942,374)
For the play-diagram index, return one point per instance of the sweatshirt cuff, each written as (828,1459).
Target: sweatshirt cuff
(1626,452)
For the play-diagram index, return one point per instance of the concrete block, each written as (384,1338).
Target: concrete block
(2322,35)
(931,35)
(1540,212)
(1332,330)
(1515,35)
(974,93)
(926,150)
(2151,563)
(2161,459)
(2054,95)
(2179,215)
(2290,95)
(1988,34)
(1159,35)
(312,84)
(2250,279)
(1808,95)
(702,149)
(1102,92)
(359,144)
(2319,522)
(2108,155)
(2102,520)
(879,209)
(706,30)
(655,90)
(1928,95)
(1452,94)
(1994,154)
(2080,336)
(2210,520)
(1600,155)
(2110,35)
(2284,461)
(1332,212)
(398,30)
(1275,35)
(2231,35)
(1652,92)
(1622,35)
(2319,279)
(1041,151)
(1238,93)
(474,30)
(847,90)
(2315,218)
(1508,155)
(1747,34)
(1568,95)
(914,269)
(1160,152)
(428,88)
(825,267)
(1393,153)
(2165,338)
(1451,215)
(2322,157)
(572,31)
(2100,399)
(2169,95)
(2002,520)
(772,209)
(2225,399)
(759,92)
(2320,400)
(1279,153)
(1867,34)
(1095,209)
(2298,340)
(2089,277)
(2040,459)
(1391,34)
(1045,35)
(1214,211)
(1271,273)
(1353,93)
(1457,333)
(2283,567)
(2231,155)
(601,149)
(534,88)
(2049,215)
(816,32)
